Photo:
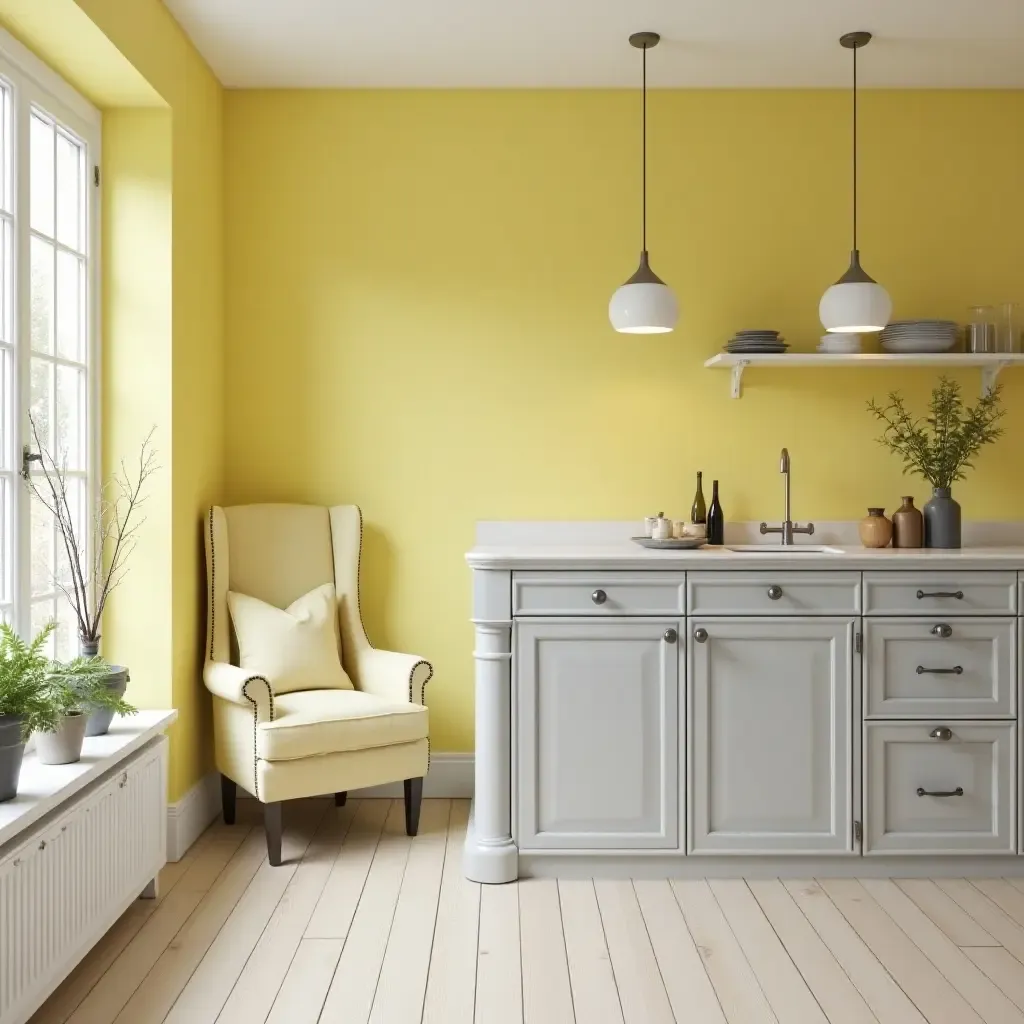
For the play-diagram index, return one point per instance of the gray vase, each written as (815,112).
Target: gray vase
(941,520)
(12,748)
(64,744)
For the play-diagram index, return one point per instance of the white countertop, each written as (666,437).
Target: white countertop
(42,788)
(607,546)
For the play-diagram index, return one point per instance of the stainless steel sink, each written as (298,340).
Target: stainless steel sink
(777,549)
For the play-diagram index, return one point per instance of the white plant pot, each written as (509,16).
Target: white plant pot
(64,745)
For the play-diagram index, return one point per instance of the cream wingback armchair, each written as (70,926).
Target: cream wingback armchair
(281,741)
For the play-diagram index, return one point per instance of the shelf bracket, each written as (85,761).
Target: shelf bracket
(989,374)
(737,378)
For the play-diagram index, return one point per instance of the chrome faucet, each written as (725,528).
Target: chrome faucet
(788,528)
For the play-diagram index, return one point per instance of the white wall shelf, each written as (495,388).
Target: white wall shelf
(990,364)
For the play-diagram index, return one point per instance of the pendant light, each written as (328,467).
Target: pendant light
(644,304)
(856,302)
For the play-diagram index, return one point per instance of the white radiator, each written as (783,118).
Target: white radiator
(69,880)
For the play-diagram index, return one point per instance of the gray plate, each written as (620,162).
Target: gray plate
(759,333)
(675,544)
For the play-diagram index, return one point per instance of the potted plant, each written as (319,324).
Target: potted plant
(24,705)
(940,448)
(97,557)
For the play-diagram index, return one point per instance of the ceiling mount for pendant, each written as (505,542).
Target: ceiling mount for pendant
(855,40)
(644,40)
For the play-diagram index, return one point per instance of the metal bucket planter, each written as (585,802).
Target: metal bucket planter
(100,718)
(64,744)
(12,748)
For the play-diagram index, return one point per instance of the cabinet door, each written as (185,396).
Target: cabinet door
(771,736)
(597,729)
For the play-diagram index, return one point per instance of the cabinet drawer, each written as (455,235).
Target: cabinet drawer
(773,593)
(906,764)
(590,593)
(929,593)
(961,668)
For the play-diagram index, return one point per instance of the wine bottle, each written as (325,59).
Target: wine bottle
(716,518)
(699,514)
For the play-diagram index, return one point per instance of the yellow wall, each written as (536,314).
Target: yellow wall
(134,54)
(417,286)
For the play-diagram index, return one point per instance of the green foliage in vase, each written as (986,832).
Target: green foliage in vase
(942,445)
(41,690)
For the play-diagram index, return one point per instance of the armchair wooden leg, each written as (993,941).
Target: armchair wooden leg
(227,799)
(413,798)
(339,799)
(273,823)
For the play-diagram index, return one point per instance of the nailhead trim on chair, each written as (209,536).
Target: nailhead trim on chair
(359,604)
(251,679)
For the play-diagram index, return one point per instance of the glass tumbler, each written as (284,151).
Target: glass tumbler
(981,329)
(1008,332)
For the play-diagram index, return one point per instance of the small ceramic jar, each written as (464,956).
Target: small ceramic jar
(649,522)
(662,529)
(875,529)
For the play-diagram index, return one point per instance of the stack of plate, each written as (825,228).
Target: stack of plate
(919,336)
(840,344)
(750,342)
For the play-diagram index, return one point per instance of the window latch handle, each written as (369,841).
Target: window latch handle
(27,458)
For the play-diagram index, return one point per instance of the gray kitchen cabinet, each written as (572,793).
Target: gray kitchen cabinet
(597,733)
(770,738)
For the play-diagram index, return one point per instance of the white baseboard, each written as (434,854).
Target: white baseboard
(188,818)
(450,777)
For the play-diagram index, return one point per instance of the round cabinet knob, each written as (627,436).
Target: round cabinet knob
(700,635)
(941,732)
(942,630)
(774,593)
(670,636)
(599,597)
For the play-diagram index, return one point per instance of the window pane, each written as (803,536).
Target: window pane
(70,307)
(6,540)
(42,296)
(67,630)
(69,192)
(41,402)
(6,402)
(69,410)
(42,612)
(42,546)
(62,563)
(6,281)
(6,151)
(40,159)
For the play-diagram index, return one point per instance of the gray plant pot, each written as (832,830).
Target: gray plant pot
(941,520)
(100,719)
(12,748)
(64,745)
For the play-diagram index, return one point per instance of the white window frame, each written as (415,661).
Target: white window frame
(32,83)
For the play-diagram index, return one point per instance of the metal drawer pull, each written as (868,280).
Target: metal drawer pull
(959,791)
(957,594)
(956,670)
(599,597)
(670,636)
(774,593)
(941,629)
(700,635)
(941,732)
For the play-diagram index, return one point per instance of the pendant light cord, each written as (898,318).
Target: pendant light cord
(855,149)
(643,121)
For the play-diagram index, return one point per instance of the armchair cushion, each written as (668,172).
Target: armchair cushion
(312,722)
(295,648)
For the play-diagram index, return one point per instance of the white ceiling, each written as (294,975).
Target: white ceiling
(583,43)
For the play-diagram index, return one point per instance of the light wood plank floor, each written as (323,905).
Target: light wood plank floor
(363,924)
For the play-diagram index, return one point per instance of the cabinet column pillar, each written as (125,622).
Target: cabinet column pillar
(490,854)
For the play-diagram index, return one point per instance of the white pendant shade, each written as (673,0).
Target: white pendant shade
(855,307)
(643,308)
